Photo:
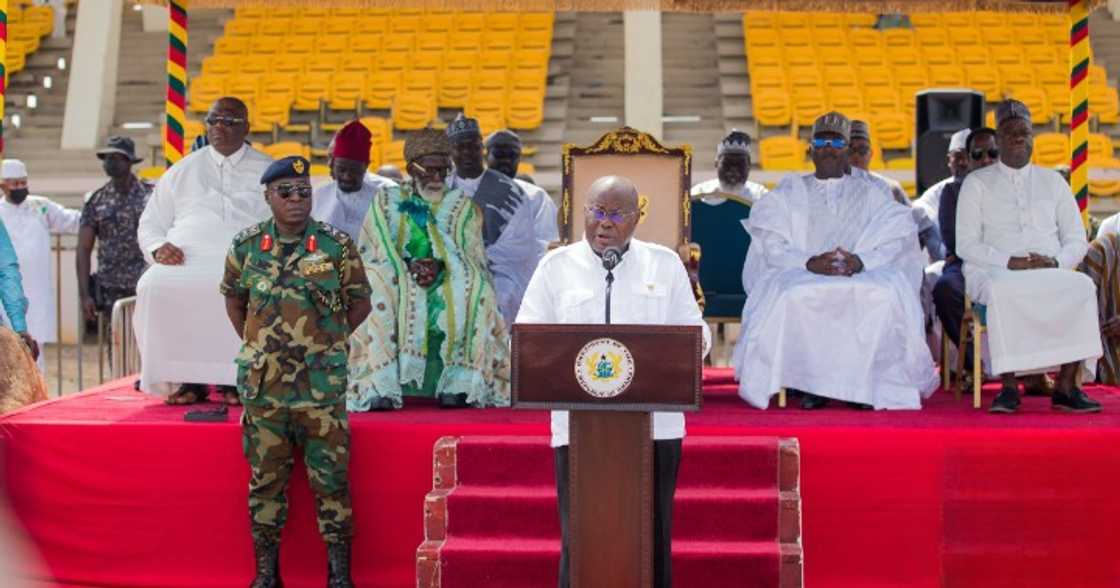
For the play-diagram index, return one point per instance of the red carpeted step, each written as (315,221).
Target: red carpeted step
(503,461)
(516,563)
(530,512)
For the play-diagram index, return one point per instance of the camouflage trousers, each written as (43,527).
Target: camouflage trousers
(269,436)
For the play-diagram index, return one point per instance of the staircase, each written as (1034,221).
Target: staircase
(489,522)
(691,85)
(598,80)
(1104,36)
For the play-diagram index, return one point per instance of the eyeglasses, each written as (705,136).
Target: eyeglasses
(861,151)
(285,191)
(224,121)
(978,154)
(615,217)
(837,143)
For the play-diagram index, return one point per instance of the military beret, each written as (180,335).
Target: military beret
(288,167)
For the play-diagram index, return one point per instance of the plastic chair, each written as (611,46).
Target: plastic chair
(413,110)
(332,45)
(270,114)
(286,64)
(772,109)
(266,45)
(1051,149)
(274,27)
(254,65)
(219,64)
(1103,104)
(321,64)
(310,91)
(525,110)
(302,46)
(231,46)
(278,86)
(346,91)
(238,27)
(782,153)
(892,130)
(1036,100)
(306,27)
(245,87)
(808,106)
(380,89)
(204,90)
(983,79)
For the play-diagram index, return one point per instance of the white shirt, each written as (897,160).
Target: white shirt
(346,210)
(30,225)
(930,201)
(1005,212)
(545,224)
(203,200)
(651,288)
(709,191)
(1110,225)
(468,185)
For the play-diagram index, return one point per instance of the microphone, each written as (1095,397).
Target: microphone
(611,257)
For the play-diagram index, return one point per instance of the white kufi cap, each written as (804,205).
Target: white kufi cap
(959,142)
(12,169)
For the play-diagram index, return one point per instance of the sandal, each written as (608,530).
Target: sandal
(188,394)
(230,395)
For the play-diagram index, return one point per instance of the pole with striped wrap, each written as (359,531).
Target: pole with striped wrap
(1079,103)
(176,105)
(3,65)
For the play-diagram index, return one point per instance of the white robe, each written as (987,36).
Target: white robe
(546,225)
(710,191)
(30,226)
(182,330)
(1109,225)
(651,287)
(1036,318)
(858,338)
(346,210)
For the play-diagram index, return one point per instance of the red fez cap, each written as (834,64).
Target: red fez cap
(352,142)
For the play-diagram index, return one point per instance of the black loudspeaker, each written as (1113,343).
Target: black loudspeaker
(940,113)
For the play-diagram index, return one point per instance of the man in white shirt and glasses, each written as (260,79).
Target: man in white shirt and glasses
(1020,235)
(198,205)
(650,287)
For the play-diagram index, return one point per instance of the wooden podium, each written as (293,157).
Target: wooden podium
(611,377)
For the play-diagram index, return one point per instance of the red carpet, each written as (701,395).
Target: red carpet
(116,489)
(498,526)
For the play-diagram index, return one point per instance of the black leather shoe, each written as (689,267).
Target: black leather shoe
(1038,386)
(1075,401)
(268,563)
(812,401)
(338,565)
(1007,401)
(380,404)
(453,401)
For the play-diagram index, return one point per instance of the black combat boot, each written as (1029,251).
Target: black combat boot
(338,565)
(268,563)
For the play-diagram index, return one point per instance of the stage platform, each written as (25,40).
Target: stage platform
(115,489)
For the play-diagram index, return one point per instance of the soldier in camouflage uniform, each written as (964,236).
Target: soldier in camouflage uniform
(295,289)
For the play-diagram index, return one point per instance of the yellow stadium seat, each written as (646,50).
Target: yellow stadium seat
(502,21)
(1058,96)
(380,89)
(892,130)
(454,89)
(903,57)
(331,45)
(765,58)
(472,22)
(534,40)
(807,107)
(278,86)
(974,56)
(460,61)
(1104,187)
(192,129)
(219,64)
(504,41)
(833,57)
(1007,55)
(845,101)
(986,20)
(266,45)
(910,80)
(897,38)
(868,56)
(772,108)
(41,17)
(392,153)
(1103,104)
(1097,75)
(404,24)
(337,26)
(1034,36)
(420,81)
(244,87)
(932,39)
(797,38)
(768,78)
(489,110)
(1039,55)
(939,56)
(495,60)
(793,20)
(490,81)
(805,77)
(1051,149)
(231,46)
(958,20)
(348,12)
(876,77)
(843,77)
(274,27)
(945,76)
(286,149)
(528,80)
(1057,35)
(241,28)
(922,20)
(438,23)
(356,63)
(984,79)
(302,46)
(963,37)
(250,11)
(321,64)
(860,19)
(286,64)
(998,36)
(346,91)
(311,88)
(204,90)
(380,129)
(800,57)
(371,25)
(756,38)
(525,110)
(269,114)
(306,27)
(309,12)
(465,41)
(1100,151)
(413,110)
(365,44)
(536,21)
(880,100)
(1020,20)
(782,153)
(827,40)
(1016,76)
(760,19)
(827,21)
(396,43)
(431,42)
(253,65)
(865,38)
(391,61)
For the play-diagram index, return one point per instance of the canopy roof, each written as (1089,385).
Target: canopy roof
(668,5)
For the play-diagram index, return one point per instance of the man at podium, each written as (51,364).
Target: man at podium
(650,286)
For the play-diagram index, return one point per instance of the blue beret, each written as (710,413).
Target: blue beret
(289,167)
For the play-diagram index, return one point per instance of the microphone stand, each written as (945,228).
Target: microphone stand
(610,281)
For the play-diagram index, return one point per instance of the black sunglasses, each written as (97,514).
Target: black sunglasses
(978,154)
(224,121)
(285,191)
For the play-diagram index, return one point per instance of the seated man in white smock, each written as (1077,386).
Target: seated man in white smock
(198,205)
(832,289)
(1020,235)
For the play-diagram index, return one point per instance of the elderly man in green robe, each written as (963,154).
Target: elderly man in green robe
(435,329)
